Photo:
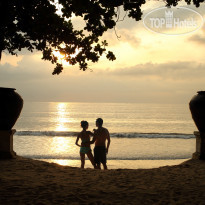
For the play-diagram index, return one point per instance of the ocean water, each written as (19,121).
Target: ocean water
(142,135)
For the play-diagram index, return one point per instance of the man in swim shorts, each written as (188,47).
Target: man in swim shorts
(100,136)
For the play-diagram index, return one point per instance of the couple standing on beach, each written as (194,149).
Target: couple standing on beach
(100,136)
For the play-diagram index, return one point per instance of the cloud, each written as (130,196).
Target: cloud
(27,69)
(129,37)
(198,39)
(170,70)
(149,82)
(122,36)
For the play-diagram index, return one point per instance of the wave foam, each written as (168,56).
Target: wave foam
(113,135)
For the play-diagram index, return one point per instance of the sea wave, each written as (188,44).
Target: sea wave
(46,133)
(113,135)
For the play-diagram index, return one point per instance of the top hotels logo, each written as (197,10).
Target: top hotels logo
(173,21)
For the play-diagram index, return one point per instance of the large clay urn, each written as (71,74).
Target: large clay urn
(11,105)
(197,107)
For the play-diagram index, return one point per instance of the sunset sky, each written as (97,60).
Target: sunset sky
(150,68)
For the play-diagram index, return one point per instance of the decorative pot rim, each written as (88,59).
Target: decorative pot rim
(201,92)
(3,88)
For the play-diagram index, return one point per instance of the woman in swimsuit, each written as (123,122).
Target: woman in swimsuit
(85,146)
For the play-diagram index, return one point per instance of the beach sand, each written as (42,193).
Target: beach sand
(27,181)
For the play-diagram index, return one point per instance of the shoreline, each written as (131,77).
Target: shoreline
(120,164)
(28,181)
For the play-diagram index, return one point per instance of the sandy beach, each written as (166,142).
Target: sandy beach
(27,181)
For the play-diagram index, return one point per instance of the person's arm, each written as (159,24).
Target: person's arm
(93,140)
(76,142)
(90,133)
(108,141)
(94,137)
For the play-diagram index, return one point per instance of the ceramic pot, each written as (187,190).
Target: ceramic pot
(197,108)
(11,105)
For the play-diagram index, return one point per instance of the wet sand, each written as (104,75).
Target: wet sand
(120,164)
(27,181)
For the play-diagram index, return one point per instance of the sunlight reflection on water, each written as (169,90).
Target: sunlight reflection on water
(63,117)
(61,145)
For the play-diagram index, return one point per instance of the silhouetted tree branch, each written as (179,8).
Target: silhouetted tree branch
(35,25)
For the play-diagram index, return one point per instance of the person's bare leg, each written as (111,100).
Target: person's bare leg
(82,156)
(105,166)
(91,158)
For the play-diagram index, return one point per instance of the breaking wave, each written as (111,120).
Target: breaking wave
(115,135)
